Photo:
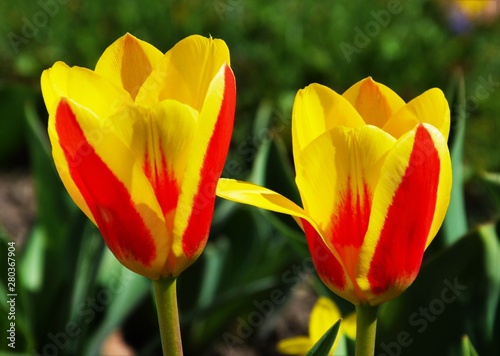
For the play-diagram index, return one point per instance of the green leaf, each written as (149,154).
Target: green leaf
(123,290)
(215,256)
(455,222)
(241,263)
(467,347)
(12,136)
(88,263)
(54,207)
(491,182)
(324,345)
(31,265)
(272,170)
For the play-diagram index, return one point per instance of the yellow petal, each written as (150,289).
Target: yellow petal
(444,185)
(374,101)
(324,314)
(128,62)
(84,87)
(299,345)
(430,107)
(160,137)
(54,83)
(185,72)
(348,326)
(318,109)
(162,132)
(332,159)
(251,194)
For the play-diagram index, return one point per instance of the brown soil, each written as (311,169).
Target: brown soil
(17,204)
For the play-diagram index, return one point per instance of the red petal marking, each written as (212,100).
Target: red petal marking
(350,223)
(164,184)
(401,246)
(196,234)
(327,266)
(106,196)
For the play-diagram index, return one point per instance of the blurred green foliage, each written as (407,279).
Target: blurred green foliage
(71,290)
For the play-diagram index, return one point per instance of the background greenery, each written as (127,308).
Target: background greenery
(72,293)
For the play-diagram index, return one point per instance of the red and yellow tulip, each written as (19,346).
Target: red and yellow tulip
(374,175)
(140,143)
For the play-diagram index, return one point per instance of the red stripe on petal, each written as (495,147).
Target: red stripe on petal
(350,222)
(164,184)
(196,234)
(106,196)
(327,266)
(401,246)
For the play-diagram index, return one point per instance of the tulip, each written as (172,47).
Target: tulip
(374,176)
(140,143)
(323,313)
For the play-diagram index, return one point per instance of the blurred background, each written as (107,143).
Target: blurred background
(73,298)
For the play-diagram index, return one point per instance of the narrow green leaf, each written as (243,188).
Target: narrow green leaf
(467,347)
(89,260)
(491,182)
(12,127)
(32,263)
(455,223)
(235,295)
(214,257)
(54,207)
(493,178)
(324,345)
(261,121)
(258,175)
(280,173)
(123,290)
(272,171)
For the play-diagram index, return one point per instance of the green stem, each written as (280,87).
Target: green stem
(366,329)
(168,316)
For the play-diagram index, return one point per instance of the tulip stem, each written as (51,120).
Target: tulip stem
(366,329)
(168,316)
